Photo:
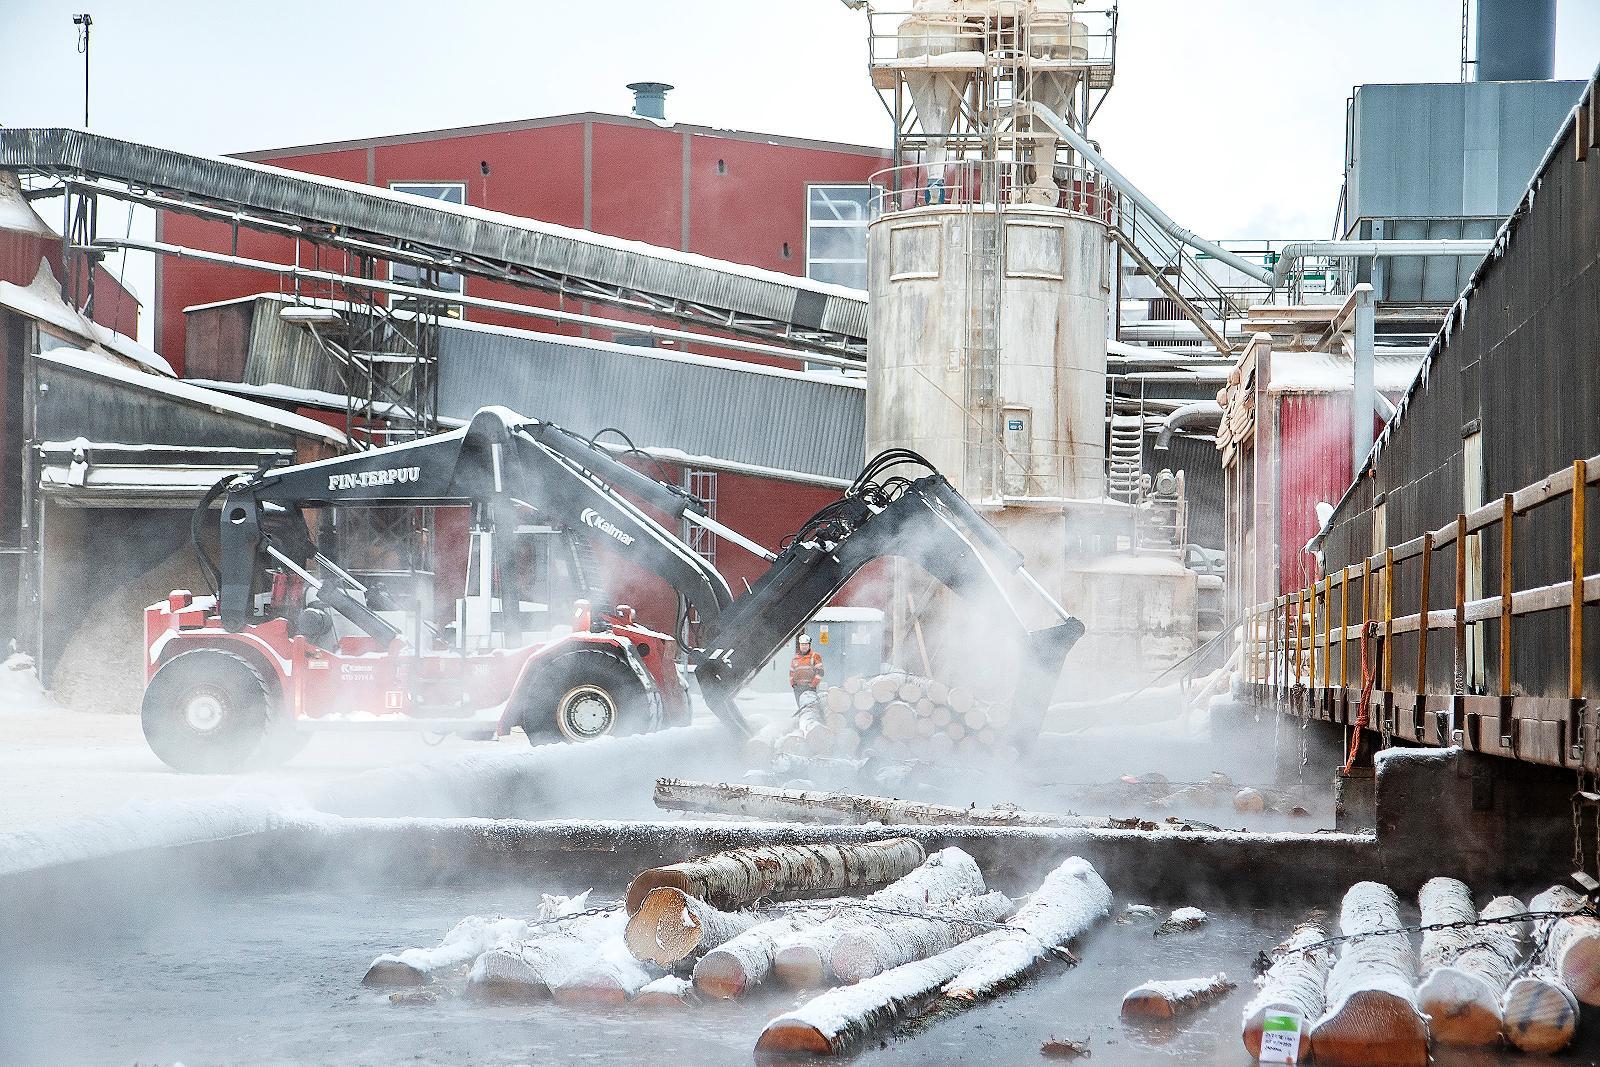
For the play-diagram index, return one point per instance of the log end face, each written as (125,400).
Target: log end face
(663,930)
(1371,1028)
(1146,1005)
(1580,966)
(590,993)
(799,967)
(647,881)
(786,1038)
(1539,1016)
(1461,1008)
(392,974)
(720,975)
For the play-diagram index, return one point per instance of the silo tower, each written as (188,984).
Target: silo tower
(990,263)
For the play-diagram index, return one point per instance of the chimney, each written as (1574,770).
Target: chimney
(650,99)
(1516,40)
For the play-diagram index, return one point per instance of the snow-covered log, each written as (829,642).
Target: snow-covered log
(741,963)
(741,876)
(1163,1000)
(801,960)
(528,969)
(1462,992)
(610,979)
(1182,920)
(1372,1018)
(868,948)
(465,942)
(1444,900)
(1296,982)
(795,805)
(671,926)
(1538,1012)
(841,1019)
(1572,944)
(671,993)
(1072,898)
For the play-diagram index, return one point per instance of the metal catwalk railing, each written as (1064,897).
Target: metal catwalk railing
(1327,651)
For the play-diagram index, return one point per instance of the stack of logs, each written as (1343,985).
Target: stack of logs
(1377,1001)
(894,716)
(931,935)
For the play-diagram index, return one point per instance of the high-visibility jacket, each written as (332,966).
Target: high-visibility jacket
(805,670)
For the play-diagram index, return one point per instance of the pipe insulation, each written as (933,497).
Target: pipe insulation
(1208,411)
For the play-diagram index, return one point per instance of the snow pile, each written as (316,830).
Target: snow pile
(16,214)
(477,934)
(20,690)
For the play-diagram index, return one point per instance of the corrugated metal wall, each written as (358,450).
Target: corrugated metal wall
(1314,467)
(1521,369)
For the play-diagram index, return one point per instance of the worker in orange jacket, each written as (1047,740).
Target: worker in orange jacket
(805,671)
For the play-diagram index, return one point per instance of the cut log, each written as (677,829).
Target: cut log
(940,716)
(1572,944)
(1072,898)
(801,960)
(924,708)
(837,700)
(760,748)
(975,719)
(1444,900)
(1466,977)
(1182,920)
(862,701)
(526,970)
(1247,801)
(853,684)
(1540,1013)
(938,692)
(465,942)
(1372,1018)
(869,948)
(608,981)
(670,993)
(960,700)
(898,722)
(884,687)
(1159,1001)
(784,805)
(740,964)
(741,876)
(911,690)
(671,926)
(1296,982)
(841,1020)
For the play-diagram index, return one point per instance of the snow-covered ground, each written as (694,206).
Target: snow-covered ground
(57,764)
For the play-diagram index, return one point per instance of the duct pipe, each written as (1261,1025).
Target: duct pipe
(1065,131)
(1295,251)
(1205,410)
(284,270)
(1362,405)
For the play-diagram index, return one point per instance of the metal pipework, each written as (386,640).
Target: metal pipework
(1295,251)
(1064,130)
(1201,411)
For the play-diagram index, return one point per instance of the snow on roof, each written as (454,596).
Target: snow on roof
(41,300)
(98,363)
(16,213)
(1332,372)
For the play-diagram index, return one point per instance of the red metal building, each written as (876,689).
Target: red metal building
(781,203)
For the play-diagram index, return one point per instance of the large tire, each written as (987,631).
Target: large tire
(212,712)
(581,696)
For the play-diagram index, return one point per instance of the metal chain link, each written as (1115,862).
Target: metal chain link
(1588,909)
(1577,826)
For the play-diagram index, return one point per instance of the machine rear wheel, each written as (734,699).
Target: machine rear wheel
(583,696)
(211,712)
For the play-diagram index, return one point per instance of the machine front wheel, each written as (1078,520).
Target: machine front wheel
(211,712)
(582,696)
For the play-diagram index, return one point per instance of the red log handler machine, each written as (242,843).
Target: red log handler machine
(290,641)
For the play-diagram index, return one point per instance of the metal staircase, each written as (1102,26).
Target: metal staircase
(1175,271)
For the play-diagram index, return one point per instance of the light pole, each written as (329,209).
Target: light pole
(83,22)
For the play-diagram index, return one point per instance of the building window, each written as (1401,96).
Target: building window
(702,484)
(836,233)
(410,274)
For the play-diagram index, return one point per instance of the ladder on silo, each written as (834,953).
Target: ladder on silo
(984,436)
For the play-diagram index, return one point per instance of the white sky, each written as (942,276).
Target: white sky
(1229,113)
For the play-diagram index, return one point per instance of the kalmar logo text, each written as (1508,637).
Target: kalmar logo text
(591,517)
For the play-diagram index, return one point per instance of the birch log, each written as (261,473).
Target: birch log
(1372,1018)
(1159,1001)
(671,926)
(794,805)
(609,980)
(465,942)
(1072,898)
(867,949)
(947,875)
(1462,993)
(741,963)
(741,876)
(671,993)
(1572,943)
(1539,1012)
(842,1019)
(1295,982)
(526,970)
